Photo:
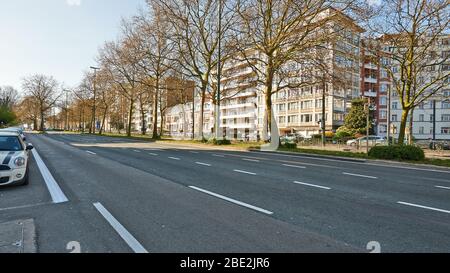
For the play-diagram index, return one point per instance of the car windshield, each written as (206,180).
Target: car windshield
(10,143)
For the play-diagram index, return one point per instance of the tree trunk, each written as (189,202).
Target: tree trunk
(155,110)
(161,133)
(130,117)
(143,129)
(202,108)
(402,130)
(103,121)
(42,127)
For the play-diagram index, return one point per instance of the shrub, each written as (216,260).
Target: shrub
(399,152)
(215,141)
(288,145)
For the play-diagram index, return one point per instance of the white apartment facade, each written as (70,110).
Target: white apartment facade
(431,119)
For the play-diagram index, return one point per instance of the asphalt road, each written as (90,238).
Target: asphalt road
(127,196)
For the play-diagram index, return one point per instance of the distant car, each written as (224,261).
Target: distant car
(373,140)
(14,157)
(292,138)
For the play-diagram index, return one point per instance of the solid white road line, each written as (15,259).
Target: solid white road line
(203,164)
(55,191)
(251,160)
(360,175)
(424,207)
(232,200)
(294,166)
(244,172)
(89,152)
(137,151)
(218,155)
(312,185)
(442,187)
(121,230)
(153,154)
(174,158)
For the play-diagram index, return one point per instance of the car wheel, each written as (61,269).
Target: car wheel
(26,179)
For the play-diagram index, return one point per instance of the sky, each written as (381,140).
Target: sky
(59,38)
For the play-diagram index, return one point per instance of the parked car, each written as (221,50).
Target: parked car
(14,157)
(373,140)
(291,138)
(15,130)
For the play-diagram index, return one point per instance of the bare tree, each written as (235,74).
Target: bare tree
(28,111)
(149,34)
(196,33)
(44,90)
(8,96)
(278,38)
(408,50)
(119,60)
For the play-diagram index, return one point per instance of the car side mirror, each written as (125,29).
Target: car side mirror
(30,147)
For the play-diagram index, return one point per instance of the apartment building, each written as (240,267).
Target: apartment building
(300,110)
(431,119)
(296,109)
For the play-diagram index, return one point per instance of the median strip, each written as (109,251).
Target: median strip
(232,200)
(312,185)
(120,229)
(423,207)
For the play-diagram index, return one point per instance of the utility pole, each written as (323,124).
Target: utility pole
(94,121)
(219,70)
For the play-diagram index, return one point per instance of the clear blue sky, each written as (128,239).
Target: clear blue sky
(56,37)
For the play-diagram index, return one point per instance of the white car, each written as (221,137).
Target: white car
(14,158)
(373,140)
(15,130)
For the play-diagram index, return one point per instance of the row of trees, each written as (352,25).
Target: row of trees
(283,41)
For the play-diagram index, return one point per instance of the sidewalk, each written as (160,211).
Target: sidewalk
(18,237)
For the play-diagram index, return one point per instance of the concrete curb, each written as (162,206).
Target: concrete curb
(18,236)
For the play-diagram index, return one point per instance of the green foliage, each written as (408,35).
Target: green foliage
(356,119)
(215,141)
(344,133)
(289,145)
(399,152)
(7,117)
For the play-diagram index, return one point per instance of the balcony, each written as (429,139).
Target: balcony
(370,80)
(251,114)
(371,66)
(371,94)
(238,105)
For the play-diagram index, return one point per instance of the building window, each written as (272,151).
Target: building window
(431,117)
(293,106)
(445,117)
(293,119)
(307,118)
(445,105)
(421,130)
(445,130)
(394,118)
(281,120)
(383,129)
(383,114)
(383,100)
(421,117)
(395,105)
(281,107)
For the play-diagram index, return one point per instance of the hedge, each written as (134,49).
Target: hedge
(399,152)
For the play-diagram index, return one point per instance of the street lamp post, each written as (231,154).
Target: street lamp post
(95,94)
